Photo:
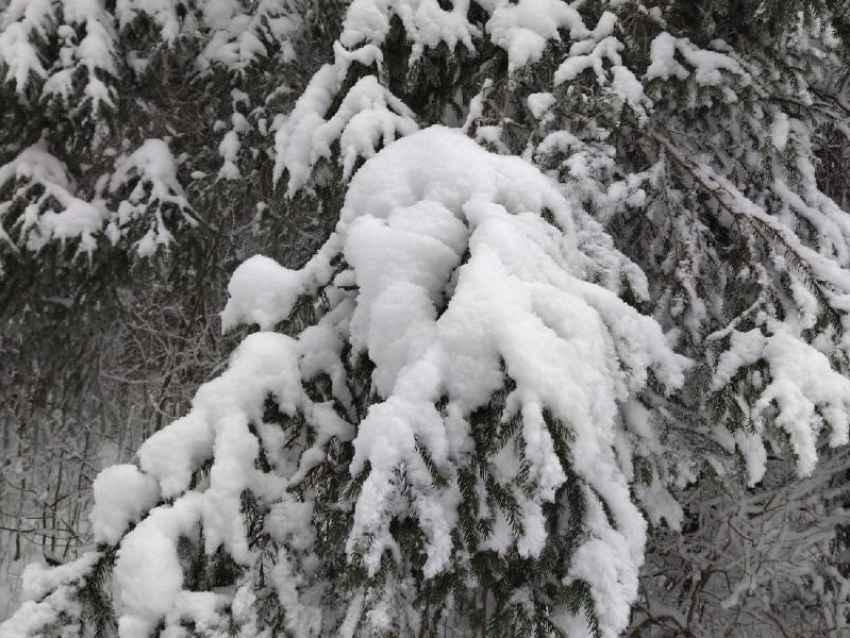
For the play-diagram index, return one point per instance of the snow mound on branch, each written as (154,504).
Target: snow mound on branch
(55,213)
(261,292)
(122,494)
(451,218)
(26,22)
(522,28)
(466,269)
(51,594)
(709,67)
(369,116)
(148,572)
(41,191)
(425,22)
(803,386)
(150,175)
(239,37)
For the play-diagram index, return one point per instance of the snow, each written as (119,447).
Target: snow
(74,218)
(709,66)
(172,454)
(52,601)
(122,495)
(369,115)
(629,89)
(459,274)
(237,38)
(229,149)
(155,166)
(540,103)
(150,175)
(21,20)
(592,54)
(606,563)
(261,292)
(803,386)
(576,63)
(40,580)
(779,131)
(663,63)
(524,28)
(451,280)
(148,575)
(162,12)
(518,298)
(425,22)
(24,23)
(217,428)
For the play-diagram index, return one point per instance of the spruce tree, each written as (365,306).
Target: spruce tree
(582,257)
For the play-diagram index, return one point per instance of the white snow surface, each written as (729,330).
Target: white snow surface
(122,494)
(23,21)
(521,28)
(709,67)
(804,392)
(369,116)
(50,592)
(540,103)
(456,275)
